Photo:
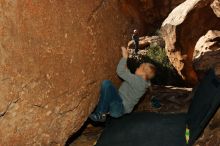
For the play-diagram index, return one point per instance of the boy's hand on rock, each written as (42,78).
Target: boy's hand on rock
(124,52)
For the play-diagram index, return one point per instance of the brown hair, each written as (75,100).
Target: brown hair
(151,66)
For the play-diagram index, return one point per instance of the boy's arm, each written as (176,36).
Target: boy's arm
(123,71)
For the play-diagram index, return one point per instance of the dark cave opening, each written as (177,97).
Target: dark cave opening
(165,75)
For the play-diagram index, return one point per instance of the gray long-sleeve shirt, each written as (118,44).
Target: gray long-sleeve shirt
(133,87)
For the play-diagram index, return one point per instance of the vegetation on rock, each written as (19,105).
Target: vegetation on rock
(166,73)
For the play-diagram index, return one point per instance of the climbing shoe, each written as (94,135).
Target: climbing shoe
(98,117)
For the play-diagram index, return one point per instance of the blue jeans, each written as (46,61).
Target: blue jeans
(110,100)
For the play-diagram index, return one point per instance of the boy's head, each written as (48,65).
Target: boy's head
(146,70)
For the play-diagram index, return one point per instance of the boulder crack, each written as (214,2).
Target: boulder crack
(73,109)
(101,4)
(2,114)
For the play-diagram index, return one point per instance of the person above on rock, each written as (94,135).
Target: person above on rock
(119,102)
(135,39)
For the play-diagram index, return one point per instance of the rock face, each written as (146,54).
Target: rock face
(211,135)
(146,41)
(53,55)
(207,51)
(182,29)
(148,15)
(216,7)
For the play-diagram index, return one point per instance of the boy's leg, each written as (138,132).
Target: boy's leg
(109,101)
(116,109)
(105,97)
(104,101)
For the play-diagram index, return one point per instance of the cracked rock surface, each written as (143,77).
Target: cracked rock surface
(51,53)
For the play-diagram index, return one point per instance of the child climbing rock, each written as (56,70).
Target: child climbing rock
(122,101)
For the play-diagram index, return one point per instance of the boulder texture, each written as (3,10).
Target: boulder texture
(182,29)
(53,56)
(216,7)
(207,52)
(148,15)
(146,41)
(211,135)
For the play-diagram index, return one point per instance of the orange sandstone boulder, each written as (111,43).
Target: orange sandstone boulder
(182,29)
(53,56)
(207,52)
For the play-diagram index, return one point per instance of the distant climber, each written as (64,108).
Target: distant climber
(119,102)
(135,39)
